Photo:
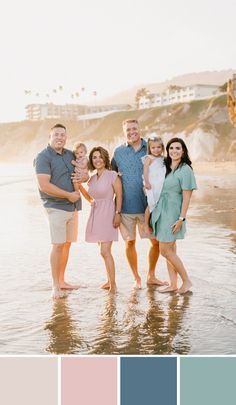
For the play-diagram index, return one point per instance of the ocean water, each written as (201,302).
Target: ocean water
(90,320)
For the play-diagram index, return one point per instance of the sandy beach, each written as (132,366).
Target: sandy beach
(215,168)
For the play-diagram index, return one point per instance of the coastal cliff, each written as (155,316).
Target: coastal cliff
(203,124)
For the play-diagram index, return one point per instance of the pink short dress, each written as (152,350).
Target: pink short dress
(99,226)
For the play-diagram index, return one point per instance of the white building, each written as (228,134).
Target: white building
(177,94)
(36,112)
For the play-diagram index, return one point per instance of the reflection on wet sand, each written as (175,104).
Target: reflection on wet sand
(178,306)
(107,331)
(152,331)
(63,332)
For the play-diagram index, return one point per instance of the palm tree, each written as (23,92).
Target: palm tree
(231,101)
(143,92)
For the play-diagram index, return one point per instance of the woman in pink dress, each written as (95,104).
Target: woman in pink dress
(105,195)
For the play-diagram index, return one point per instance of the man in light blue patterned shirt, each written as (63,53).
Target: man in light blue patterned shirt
(127,161)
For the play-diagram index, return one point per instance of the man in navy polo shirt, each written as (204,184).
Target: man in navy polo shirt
(53,169)
(127,161)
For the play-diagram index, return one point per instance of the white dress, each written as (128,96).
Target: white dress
(156,175)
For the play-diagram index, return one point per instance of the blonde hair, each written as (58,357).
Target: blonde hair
(130,121)
(78,145)
(154,138)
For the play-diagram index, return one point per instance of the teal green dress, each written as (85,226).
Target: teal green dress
(168,208)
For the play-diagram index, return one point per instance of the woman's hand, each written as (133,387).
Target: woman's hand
(116,220)
(176,226)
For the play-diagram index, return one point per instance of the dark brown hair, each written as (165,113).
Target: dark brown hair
(184,158)
(58,126)
(104,155)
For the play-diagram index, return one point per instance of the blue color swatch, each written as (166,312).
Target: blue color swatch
(148,381)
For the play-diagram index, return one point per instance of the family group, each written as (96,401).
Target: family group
(144,186)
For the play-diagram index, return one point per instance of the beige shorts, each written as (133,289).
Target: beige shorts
(63,225)
(128,225)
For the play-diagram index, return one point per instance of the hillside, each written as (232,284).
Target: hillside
(213,77)
(203,124)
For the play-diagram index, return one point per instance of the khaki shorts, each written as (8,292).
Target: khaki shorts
(128,226)
(63,225)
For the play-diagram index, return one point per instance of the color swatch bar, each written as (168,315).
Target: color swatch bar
(117,381)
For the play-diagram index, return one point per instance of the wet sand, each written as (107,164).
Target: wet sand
(90,321)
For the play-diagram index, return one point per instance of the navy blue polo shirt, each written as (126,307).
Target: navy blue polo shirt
(128,163)
(60,168)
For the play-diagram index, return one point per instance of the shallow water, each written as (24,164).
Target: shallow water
(89,321)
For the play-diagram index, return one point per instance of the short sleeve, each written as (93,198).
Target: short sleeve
(42,165)
(145,157)
(113,164)
(113,176)
(187,178)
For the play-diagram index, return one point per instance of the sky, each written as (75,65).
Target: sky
(106,46)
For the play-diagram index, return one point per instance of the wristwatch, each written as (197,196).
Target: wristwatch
(117,212)
(182,219)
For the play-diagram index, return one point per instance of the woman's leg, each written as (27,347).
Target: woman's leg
(173,277)
(153,256)
(168,250)
(106,254)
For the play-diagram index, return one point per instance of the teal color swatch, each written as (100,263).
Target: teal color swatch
(207,381)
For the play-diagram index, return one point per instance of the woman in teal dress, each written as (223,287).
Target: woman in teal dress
(168,217)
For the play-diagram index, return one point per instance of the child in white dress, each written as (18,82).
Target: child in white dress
(154,171)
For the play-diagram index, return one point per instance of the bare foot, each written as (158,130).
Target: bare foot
(156,281)
(57,293)
(66,286)
(113,289)
(167,289)
(185,287)
(138,284)
(106,285)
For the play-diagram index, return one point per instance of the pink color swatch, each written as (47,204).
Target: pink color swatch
(89,380)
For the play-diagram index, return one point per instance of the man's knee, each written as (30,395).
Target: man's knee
(130,244)
(58,247)
(154,243)
(67,245)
